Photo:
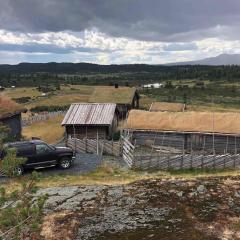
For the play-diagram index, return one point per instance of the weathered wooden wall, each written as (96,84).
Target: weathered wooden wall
(90,132)
(188,141)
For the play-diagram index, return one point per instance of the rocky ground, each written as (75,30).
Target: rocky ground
(198,209)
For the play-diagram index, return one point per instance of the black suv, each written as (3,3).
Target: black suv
(40,155)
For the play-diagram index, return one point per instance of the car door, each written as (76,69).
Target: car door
(45,155)
(27,151)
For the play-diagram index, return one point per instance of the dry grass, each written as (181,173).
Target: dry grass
(7,106)
(81,89)
(112,175)
(22,92)
(215,107)
(59,100)
(50,131)
(185,121)
(166,107)
(121,95)
(145,102)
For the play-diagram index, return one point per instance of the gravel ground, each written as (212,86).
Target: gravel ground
(83,163)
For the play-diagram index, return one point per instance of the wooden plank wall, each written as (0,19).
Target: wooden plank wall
(188,141)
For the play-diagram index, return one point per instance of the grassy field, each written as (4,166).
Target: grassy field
(22,92)
(59,100)
(217,96)
(50,131)
(67,95)
(220,96)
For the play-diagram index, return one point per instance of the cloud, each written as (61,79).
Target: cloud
(117,31)
(154,20)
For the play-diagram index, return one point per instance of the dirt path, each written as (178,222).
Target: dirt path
(203,209)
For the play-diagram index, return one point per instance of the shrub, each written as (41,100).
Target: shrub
(49,108)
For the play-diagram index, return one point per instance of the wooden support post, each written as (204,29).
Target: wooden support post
(112,147)
(234,162)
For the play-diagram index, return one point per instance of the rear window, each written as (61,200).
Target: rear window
(24,150)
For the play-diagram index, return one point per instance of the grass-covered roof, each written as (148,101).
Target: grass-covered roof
(120,95)
(8,107)
(207,122)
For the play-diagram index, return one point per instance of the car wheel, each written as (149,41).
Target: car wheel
(65,163)
(18,171)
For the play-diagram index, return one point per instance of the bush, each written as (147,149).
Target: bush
(19,211)
(22,99)
(10,162)
(49,108)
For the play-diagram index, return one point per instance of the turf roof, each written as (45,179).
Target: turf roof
(120,95)
(8,107)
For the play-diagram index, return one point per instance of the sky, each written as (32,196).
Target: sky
(117,31)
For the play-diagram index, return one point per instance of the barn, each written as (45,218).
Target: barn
(91,120)
(191,131)
(10,116)
(126,98)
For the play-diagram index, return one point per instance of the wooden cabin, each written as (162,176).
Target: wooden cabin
(191,131)
(10,116)
(126,98)
(91,120)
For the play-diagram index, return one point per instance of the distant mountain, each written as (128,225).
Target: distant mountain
(223,59)
(70,68)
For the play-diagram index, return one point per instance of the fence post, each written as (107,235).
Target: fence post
(112,146)
(97,143)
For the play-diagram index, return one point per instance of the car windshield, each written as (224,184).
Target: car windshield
(43,148)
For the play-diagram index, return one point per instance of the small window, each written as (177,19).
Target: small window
(43,148)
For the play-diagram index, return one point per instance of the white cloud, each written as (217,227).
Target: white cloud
(97,47)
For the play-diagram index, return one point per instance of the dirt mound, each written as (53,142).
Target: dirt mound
(205,209)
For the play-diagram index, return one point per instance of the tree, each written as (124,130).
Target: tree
(20,211)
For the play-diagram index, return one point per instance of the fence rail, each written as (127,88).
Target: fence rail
(187,161)
(41,117)
(2,174)
(127,151)
(95,146)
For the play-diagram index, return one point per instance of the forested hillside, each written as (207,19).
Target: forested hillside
(30,74)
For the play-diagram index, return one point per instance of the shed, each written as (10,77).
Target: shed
(167,107)
(126,98)
(191,130)
(91,120)
(10,116)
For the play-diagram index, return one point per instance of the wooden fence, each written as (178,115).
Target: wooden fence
(99,147)
(127,151)
(2,174)
(185,161)
(41,117)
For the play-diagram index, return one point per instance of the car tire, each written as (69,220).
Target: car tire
(65,163)
(18,171)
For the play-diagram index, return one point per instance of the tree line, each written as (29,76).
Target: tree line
(30,74)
